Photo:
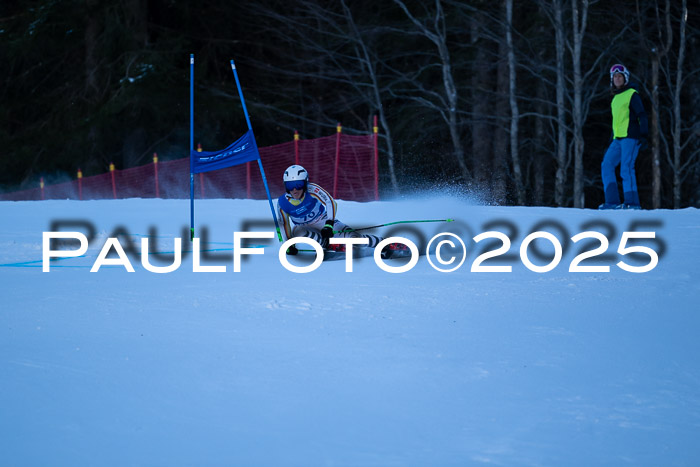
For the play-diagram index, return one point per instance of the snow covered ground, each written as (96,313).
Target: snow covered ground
(269,367)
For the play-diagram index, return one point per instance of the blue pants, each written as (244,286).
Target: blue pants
(622,152)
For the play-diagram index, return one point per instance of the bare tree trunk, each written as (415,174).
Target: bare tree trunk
(658,49)
(539,162)
(439,38)
(655,150)
(657,55)
(365,58)
(481,81)
(539,157)
(91,89)
(91,34)
(562,159)
(579,30)
(514,113)
(391,159)
(676,131)
(499,134)
(135,141)
(452,100)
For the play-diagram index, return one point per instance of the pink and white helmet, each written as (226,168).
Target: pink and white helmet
(618,68)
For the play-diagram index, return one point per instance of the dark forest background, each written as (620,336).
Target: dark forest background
(507,99)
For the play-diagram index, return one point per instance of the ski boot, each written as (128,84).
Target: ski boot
(635,207)
(395,250)
(336,247)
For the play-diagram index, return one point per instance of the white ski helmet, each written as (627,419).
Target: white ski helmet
(618,68)
(293,175)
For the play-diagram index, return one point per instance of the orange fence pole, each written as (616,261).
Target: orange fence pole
(339,130)
(80,184)
(155,173)
(114,183)
(41,185)
(296,147)
(376,159)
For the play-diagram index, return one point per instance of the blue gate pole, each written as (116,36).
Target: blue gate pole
(262,171)
(191,146)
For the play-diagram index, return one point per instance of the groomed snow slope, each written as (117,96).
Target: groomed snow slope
(270,367)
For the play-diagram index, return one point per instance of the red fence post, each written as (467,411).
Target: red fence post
(80,184)
(339,130)
(155,173)
(41,185)
(296,147)
(375,129)
(114,183)
(247,180)
(201,175)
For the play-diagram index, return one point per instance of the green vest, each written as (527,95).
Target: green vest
(620,107)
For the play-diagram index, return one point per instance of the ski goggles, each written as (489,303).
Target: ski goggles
(295,185)
(618,69)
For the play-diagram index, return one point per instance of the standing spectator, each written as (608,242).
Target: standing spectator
(629,134)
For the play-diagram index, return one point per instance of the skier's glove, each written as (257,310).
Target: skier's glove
(327,230)
(292,250)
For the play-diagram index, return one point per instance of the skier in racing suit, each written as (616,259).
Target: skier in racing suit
(307,210)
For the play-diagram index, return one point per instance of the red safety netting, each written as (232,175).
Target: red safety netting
(344,165)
